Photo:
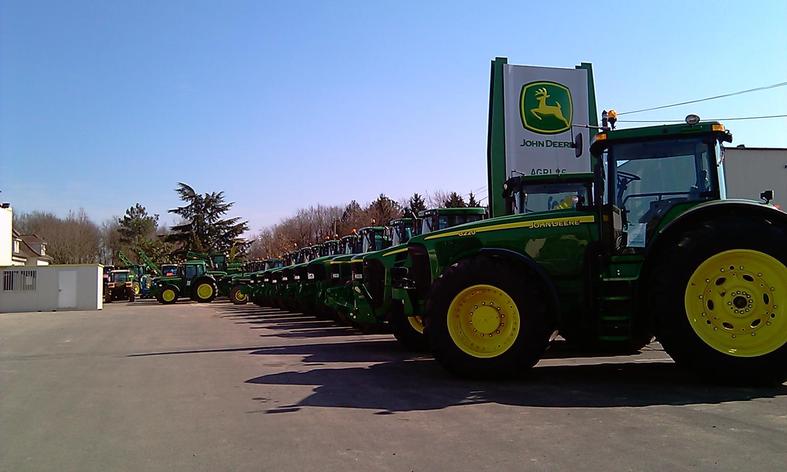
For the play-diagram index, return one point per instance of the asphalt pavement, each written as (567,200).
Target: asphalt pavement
(215,387)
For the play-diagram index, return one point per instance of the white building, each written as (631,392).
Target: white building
(749,171)
(19,249)
(29,283)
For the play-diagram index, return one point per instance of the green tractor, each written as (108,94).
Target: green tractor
(645,245)
(257,286)
(373,303)
(313,289)
(236,282)
(345,268)
(192,280)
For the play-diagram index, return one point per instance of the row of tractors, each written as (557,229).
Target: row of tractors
(646,245)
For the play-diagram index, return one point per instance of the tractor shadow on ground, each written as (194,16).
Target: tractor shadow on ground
(286,324)
(398,381)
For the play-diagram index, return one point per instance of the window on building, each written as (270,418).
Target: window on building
(16,246)
(19,280)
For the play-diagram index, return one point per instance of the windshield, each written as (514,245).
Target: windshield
(120,277)
(401,233)
(441,221)
(651,176)
(548,197)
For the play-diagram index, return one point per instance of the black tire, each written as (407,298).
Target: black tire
(202,284)
(131,295)
(108,297)
(525,289)
(160,295)
(668,282)
(410,338)
(238,297)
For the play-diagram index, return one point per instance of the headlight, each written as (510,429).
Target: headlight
(310,276)
(334,276)
(284,279)
(357,276)
(297,277)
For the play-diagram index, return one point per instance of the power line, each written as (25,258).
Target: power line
(737,118)
(724,95)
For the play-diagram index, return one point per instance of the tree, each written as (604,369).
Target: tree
(203,227)
(454,200)
(74,239)
(137,226)
(383,210)
(472,202)
(416,203)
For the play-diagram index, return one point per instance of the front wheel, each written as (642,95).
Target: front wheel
(488,317)
(237,296)
(408,330)
(720,301)
(168,295)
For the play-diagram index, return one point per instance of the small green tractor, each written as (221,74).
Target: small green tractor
(192,280)
(646,245)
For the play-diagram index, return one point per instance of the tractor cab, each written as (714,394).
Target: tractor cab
(435,219)
(651,175)
(329,248)
(401,230)
(350,244)
(168,270)
(526,194)
(374,238)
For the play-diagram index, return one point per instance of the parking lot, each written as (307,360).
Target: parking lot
(220,387)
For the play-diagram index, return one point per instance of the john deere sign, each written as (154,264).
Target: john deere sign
(545,107)
(536,114)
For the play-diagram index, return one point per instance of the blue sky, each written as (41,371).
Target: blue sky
(288,104)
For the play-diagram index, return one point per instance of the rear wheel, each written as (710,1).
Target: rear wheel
(168,295)
(488,317)
(205,290)
(137,288)
(720,301)
(237,296)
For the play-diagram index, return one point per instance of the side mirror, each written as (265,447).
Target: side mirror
(767,196)
(578,145)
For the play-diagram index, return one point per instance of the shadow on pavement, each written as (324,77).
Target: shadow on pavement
(399,382)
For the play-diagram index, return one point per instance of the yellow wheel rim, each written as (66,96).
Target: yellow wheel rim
(204,291)
(168,295)
(483,321)
(735,302)
(137,288)
(417,323)
(240,296)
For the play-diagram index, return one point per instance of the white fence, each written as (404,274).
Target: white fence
(51,288)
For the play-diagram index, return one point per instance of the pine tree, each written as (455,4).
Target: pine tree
(137,226)
(454,200)
(416,203)
(472,202)
(203,228)
(383,210)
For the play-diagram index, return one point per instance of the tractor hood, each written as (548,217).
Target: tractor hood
(544,219)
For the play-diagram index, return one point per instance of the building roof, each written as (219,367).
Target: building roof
(25,248)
